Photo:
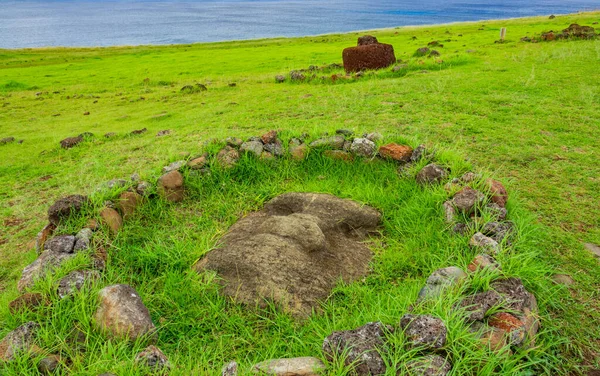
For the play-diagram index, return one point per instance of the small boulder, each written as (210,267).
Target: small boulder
(338,154)
(398,153)
(374,136)
(49,365)
(449,212)
(344,132)
(199,162)
(428,365)
(234,142)
(468,200)
(164,132)
(363,147)
(333,142)
(298,152)
(275,148)
(7,140)
(61,244)
(70,142)
(122,314)
(143,188)
(112,219)
(418,153)
(153,359)
(431,174)
(498,231)
(269,137)
(128,202)
(174,166)
(279,78)
(424,331)
(496,211)
(422,51)
(304,366)
(511,325)
(483,261)
(170,186)
(29,301)
(53,257)
(138,131)
(230,369)
(498,193)
(66,207)
(365,40)
(228,157)
(514,294)
(19,340)
(75,281)
(484,243)
(253,147)
(43,235)
(477,306)
(83,239)
(362,348)
(441,279)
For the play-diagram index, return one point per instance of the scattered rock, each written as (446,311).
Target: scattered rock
(294,251)
(143,188)
(496,211)
(275,148)
(399,153)
(75,281)
(483,261)
(66,207)
(112,219)
(478,305)
(42,236)
(484,243)
(122,314)
(362,348)
(460,228)
(139,131)
(431,174)
(368,55)
(449,212)
(234,142)
(595,249)
(297,76)
(49,365)
(365,40)
(552,17)
(514,294)
(153,359)
(228,157)
(60,244)
(279,78)
(47,261)
(374,136)
(191,89)
(29,301)
(563,279)
(173,166)
(498,193)
(170,186)
(269,137)
(344,132)
(468,200)
(128,202)
(429,365)
(338,154)
(304,366)
(299,152)
(254,147)
(441,279)
(333,142)
(422,51)
(493,338)
(230,369)
(163,133)
(199,162)
(418,153)
(363,147)
(110,134)
(19,340)
(498,231)
(70,142)
(7,140)
(424,331)
(511,325)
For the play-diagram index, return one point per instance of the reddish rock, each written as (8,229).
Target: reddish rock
(510,324)
(112,219)
(494,338)
(128,201)
(338,154)
(27,301)
(42,236)
(370,56)
(269,137)
(197,163)
(483,261)
(170,186)
(400,153)
(92,224)
(498,193)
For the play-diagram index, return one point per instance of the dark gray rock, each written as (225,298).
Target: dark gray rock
(363,147)
(279,78)
(478,305)
(75,281)
(66,207)
(70,142)
(344,132)
(418,153)
(254,147)
(143,188)
(48,261)
(441,279)
(19,340)
(431,174)
(362,347)
(374,136)
(496,211)
(514,295)
(274,148)
(468,200)
(60,244)
(7,140)
(429,365)
(234,141)
(153,359)
(83,239)
(499,231)
(424,331)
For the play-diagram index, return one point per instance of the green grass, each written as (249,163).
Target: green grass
(527,113)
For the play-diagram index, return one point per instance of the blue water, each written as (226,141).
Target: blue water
(37,23)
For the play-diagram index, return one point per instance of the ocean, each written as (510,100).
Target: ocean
(37,23)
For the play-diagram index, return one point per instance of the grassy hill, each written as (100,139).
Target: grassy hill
(529,113)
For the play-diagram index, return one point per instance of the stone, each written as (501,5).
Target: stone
(499,231)
(449,212)
(418,153)
(496,211)
(143,188)
(75,281)
(164,132)
(395,152)
(115,183)
(298,152)
(7,140)
(493,338)
(228,157)
(422,51)
(52,258)
(428,365)
(441,279)
(468,200)
(43,235)
(49,365)
(484,243)
(469,177)
(19,340)
(234,142)
(128,202)
(29,301)
(368,56)
(511,325)
(279,78)
(297,76)
(374,136)
(362,348)
(198,163)
(424,331)
(460,228)
(563,279)
(153,359)
(483,261)
(347,145)
(498,193)
(66,207)
(230,369)
(344,132)
(170,186)
(363,147)
(366,40)
(593,248)
(294,251)
(333,142)
(61,244)
(122,314)
(338,155)
(253,147)
(431,174)
(514,294)
(112,219)
(275,148)
(173,166)
(303,366)
(477,306)
(270,137)
(110,135)
(266,156)
(70,142)
(135,177)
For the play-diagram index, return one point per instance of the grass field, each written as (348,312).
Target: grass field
(528,113)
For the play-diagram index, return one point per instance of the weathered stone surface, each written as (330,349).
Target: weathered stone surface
(366,40)
(593,248)
(60,244)
(228,157)
(115,183)
(418,153)
(75,281)
(498,193)
(170,186)
(200,162)
(173,166)
(254,147)
(164,132)
(234,142)
(144,188)
(49,365)
(511,325)
(112,219)
(279,78)
(43,235)
(128,202)
(344,132)
(469,177)
(122,314)
(363,147)
(496,211)
(484,243)
(449,212)
(422,51)
(431,174)
(468,200)
(153,359)
(230,369)
(398,153)
(46,262)
(477,306)
(19,340)
(298,152)
(138,131)
(483,261)
(269,137)
(563,279)
(499,231)
(424,331)
(28,301)
(338,154)
(7,140)
(275,148)
(362,348)
(440,280)
(83,239)
(374,136)
(333,142)
(370,56)
(66,207)
(294,251)
(493,338)
(70,142)
(460,228)
(304,366)
(429,365)
(514,294)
